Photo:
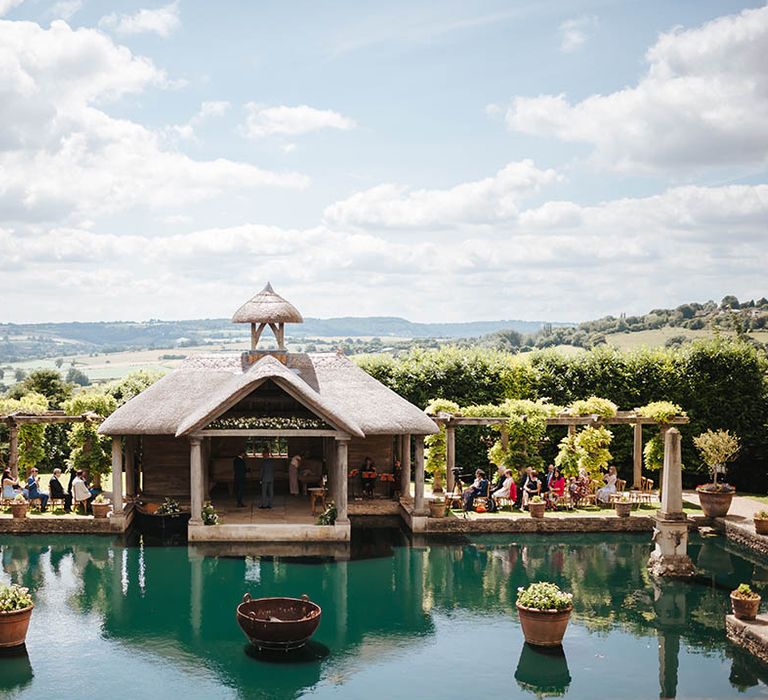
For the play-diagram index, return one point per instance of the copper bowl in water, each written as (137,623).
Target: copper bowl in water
(278,623)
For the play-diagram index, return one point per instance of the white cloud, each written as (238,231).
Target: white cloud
(162,21)
(7,5)
(291,121)
(484,201)
(575,32)
(678,245)
(702,103)
(66,9)
(62,155)
(207,110)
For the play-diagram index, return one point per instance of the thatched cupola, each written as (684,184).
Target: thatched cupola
(267,309)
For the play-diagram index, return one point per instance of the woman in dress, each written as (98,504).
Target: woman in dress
(11,487)
(556,488)
(508,488)
(604,493)
(532,487)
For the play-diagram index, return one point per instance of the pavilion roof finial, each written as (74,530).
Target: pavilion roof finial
(267,307)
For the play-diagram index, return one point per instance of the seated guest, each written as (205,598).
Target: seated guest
(479,487)
(57,491)
(11,487)
(80,492)
(508,488)
(368,482)
(604,494)
(546,479)
(33,487)
(556,488)
(525,474)
(532,487)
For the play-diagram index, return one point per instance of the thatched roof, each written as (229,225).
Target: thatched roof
(267,307)
(329,385)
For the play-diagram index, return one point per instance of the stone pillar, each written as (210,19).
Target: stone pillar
(418,476)
(13,453)
(117,476)
(342,452)
(637,471)
(670,555)
(450,456)
(405,489)
(196,480)
(130,474)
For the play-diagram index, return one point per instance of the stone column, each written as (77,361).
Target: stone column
(117,476)
(670,555)
(196,480)
(418,466)
(130,474)
(637,472)
(450,456)
(342,451)
(405,489)
(13,453)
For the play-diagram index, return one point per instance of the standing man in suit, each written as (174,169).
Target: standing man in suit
(239,466)
(267,478)
(548,478)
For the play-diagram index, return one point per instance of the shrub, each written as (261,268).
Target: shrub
(594,405)
(717,448)
(209,514)
(544,596)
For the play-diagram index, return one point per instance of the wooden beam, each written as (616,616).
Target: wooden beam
(270,432)
(450,456)
(13,453)
(622,418)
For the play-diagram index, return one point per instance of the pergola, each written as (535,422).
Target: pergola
(16,420)
(451,422)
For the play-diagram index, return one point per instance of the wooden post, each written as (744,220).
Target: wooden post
(342,452)
(196,480)
(405,489)
(13,454)
(504,439)
(117,475)
(450,456)
(637,473)
(571,429)
(418,466)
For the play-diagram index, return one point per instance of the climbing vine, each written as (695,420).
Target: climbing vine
(90,451)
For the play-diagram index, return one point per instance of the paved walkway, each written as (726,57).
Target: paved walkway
(742,507)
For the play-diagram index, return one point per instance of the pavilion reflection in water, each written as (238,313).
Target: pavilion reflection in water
(178,603)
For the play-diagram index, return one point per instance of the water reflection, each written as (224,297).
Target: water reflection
(15,671)
(543,672)
(380,601)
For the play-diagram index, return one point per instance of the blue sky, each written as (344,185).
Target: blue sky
(433,160)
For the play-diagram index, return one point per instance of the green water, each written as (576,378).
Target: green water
(438,621)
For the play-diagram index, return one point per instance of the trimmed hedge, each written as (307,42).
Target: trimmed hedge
(720,383)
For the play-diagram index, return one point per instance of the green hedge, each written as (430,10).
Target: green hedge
(720,383)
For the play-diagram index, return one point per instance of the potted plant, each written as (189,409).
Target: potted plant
(761,522)
(536,507)
(717,448)
(437,508)
(19,506)
(745,602)
(15,610)
(329,515)
(100,506)
(544,612)
(209,515)
(623,506)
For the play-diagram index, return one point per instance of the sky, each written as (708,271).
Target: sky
(441,161)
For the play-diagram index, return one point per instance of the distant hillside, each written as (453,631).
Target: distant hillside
(40,340)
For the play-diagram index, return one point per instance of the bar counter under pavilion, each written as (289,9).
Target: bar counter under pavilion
(183,433)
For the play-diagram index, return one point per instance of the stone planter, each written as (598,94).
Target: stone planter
(537,509)
(745,608)
(13,627)
(715,504)
(761,526)
(437,508)
(623,509)
(19,510)
(544,628)
(100,510)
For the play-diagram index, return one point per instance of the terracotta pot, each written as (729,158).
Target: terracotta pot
(437,509)
(623,509)
(537,509)
(745,608)
(715,505)
(761,526)
(544,628)
(19,510)
(13,627)
(100,510)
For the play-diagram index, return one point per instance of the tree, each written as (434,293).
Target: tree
(31,436)
(19,375)
(75,376)
(47,382)
(90,451)
(729,302)
(123,390)
(59,363)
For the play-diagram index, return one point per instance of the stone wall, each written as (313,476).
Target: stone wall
(62,525)
(749,634)
(554,524)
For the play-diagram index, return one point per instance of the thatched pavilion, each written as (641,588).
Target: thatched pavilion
(190,425)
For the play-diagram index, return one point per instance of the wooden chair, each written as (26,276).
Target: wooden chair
(646,490)
(621,484)
(54,503)
(483,498)
(591,495)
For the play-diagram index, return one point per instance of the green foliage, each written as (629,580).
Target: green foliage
(717,448)
(169,507)
(653,453)
(593,406)
(14,598)
(76,376)
(660,411)
(329,515)
(123,390)
(745,591)
(31,437)
(587,449)
(544,596)
(209,515)
(435,458)
(47,382)
(90,451)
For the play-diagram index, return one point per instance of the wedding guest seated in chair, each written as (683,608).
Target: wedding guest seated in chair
(33,488)
(57,492)
(479,487)
(81,495)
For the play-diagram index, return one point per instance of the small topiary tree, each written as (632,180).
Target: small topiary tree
(717,448)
